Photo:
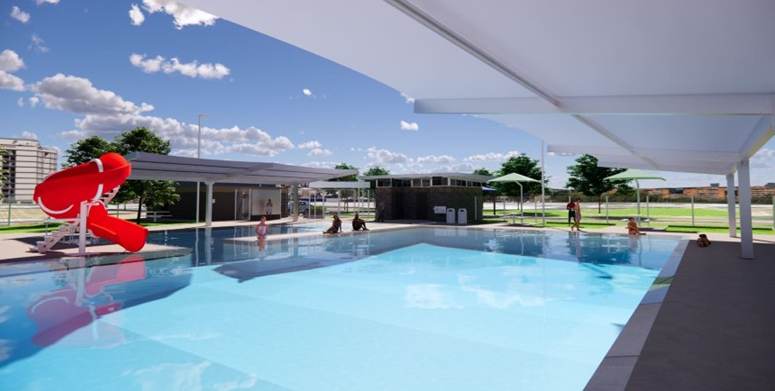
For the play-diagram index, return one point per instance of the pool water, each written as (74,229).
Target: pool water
(413,309)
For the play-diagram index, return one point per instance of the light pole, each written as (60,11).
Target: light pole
(198,156)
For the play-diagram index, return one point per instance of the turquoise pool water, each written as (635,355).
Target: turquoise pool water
(415,309)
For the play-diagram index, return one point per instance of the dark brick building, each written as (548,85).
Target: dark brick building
(419,196)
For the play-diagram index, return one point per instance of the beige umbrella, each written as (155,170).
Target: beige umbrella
(516,178)
(635,175)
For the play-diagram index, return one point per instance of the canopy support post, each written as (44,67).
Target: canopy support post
(731,205)
(746,224)
(209,206)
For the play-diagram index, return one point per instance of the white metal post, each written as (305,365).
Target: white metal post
(648,214)
(746,224)
(521,200)
(82,228)
(209,206)
(637,189)
(731,205)
(543,197)
(692,211)
(295,199)
(198,156)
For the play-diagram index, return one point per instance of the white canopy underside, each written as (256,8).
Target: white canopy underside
(151,166)
(660,85)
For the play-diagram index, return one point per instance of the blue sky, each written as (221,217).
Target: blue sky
(75,68)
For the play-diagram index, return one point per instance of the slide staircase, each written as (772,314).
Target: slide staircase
(43,246)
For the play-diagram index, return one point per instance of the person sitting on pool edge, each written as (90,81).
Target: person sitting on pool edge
(632,227)
(703,241)
(359,223)
(336,226)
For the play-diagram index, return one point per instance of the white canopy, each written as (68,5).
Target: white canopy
(177,168)
(151,166)
(661,85)
(339,185)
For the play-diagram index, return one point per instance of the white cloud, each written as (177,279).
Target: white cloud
(307,92)
(136,15)
(11,82)
(320,164)
(74,134)
(460,167)
(192,69)
(34,101)
(20,15)
(407,98)
(10,61)
(29,135)
(20,102)
(411,126)
(492,157)
(383,156)
(562,154)
(310,144)
(148,65)
(39,2)
(443,159)
(78,95)
(184,15)
(36,44)
(183,136)
(765,158)
(317,152)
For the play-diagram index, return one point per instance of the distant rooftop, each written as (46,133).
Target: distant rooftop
(451,175)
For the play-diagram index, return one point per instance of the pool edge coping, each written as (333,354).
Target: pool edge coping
(617,366)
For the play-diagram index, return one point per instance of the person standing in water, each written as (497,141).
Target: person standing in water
(577,216)
(261,231)
(269,208)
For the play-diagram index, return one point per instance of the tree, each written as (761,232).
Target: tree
(346,178)
(149,193)
(522,165)
(87,149)
(482,171)
(376,170)
(346,193)
(589,179)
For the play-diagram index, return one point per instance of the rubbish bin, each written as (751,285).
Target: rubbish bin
(450,215)
(462,216)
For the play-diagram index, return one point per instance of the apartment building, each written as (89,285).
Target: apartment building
(25,163)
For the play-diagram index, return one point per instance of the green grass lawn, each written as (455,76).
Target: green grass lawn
(619,213)
(40,227)
(666,212)
(718,230)
(28,228)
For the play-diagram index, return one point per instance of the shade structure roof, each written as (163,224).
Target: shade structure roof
(339,185)
(635,174)
(513,177)
(453,175)
(660,85)
(151,166)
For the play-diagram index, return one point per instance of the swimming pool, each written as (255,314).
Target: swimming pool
(411,309)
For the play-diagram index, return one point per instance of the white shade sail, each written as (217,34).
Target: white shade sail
(660,85)
(633,174)
(513,177)
(152,166)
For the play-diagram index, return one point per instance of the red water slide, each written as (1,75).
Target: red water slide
(61,193)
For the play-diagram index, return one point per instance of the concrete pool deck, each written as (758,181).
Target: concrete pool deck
(713,330)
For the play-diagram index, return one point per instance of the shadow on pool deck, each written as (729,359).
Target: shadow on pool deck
(716,327)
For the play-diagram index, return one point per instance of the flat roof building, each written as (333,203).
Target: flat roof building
(26,163)
(428,196)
